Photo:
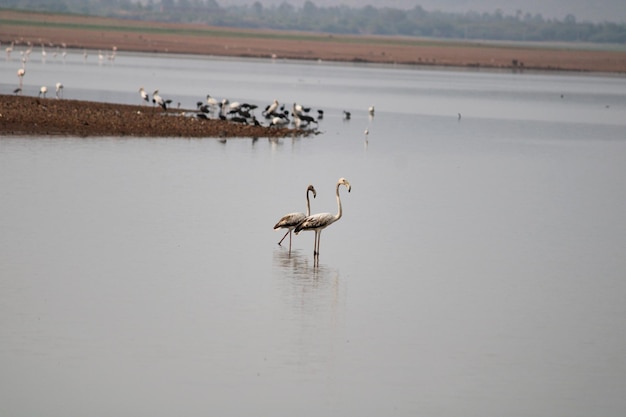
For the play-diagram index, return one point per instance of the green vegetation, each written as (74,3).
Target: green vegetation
(368,20)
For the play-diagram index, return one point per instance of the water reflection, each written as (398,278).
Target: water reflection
(312,313)
(302,281)
(298,265)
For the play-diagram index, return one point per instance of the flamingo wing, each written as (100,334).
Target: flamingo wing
(290,220)
(316,221)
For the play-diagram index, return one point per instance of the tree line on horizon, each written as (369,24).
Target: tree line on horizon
(368,20)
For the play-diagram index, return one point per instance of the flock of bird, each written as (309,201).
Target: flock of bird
(275,114)
(298,222)
(25,56)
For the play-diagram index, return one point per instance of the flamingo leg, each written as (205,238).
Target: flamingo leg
(289,241)
(281,241)
(315,245)
(316,252)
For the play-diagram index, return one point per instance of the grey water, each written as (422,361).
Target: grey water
(477,270)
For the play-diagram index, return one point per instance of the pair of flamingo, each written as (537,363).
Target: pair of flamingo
(298,222)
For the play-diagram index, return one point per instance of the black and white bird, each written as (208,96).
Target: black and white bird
(300,109)
(158,100)
(211,101)
(271,108)
(291,220)
(320,221)
(302,120)
(279,121)
(144,96)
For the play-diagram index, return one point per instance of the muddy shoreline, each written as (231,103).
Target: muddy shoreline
(33,116)
(74,31)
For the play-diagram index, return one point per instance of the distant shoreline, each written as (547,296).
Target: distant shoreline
(72,31)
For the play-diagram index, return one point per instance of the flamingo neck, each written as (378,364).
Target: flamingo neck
(308,204)
(339,212)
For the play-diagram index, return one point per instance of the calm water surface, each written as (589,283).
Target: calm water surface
(478,269)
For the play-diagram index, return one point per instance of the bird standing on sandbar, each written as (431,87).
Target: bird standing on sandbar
(157,99)
(144,96)
(291,220)
(59,90)
(320,221)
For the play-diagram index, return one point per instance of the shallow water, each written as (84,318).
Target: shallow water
(477,269)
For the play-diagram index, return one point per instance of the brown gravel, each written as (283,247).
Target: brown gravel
(21,115)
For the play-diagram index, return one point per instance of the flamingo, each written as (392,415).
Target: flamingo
(291,220)
(9,49)
(144,95)
(42,91)
(20,74)
(59,90)
(320,221)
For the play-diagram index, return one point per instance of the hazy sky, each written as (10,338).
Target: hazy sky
(590,10)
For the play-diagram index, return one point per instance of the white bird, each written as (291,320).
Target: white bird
(298,108)
(371,110)
(20,74)
(144,95)
(234,106)
(9,49)
(271,108)
(42,91)
(59,90)
(320,221)
(211,101)
(157,99)
(291,220)
(279,121)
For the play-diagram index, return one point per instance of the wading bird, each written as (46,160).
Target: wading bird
(20,74)
(144,96)
(211,101)
(157,99)
(42,91)
(291,220)
(271,108)
(320,221)
(59,90)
